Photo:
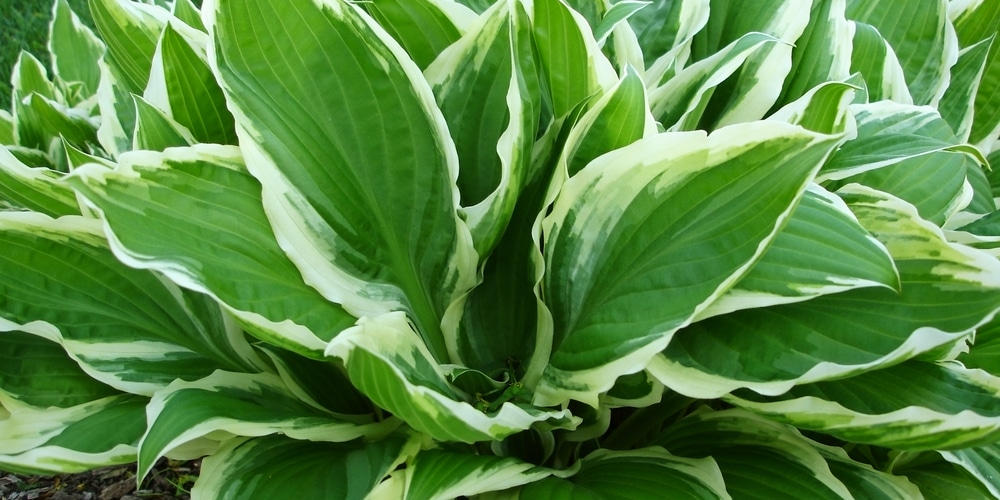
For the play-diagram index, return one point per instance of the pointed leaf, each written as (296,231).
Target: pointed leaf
(127,328)
(769,350)
(365,205)
(424,27)
(822,250)
(182,84)
(228,251)
(876,61)
(437,474)
(924,41)
(130,30)
(74,48)
(240,404)
(607,265)
(94,434)
(758,458)
(982,462)
(490,69)
(680,102)
(822,53)
(957,105)
(913,405)
(975,25)
(155,131)
(36,189)
(275,466)
(571,60)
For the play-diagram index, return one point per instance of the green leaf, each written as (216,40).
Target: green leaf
(607,265)
(38,372)
(619,118)
(74,49)
(37,189)
(822,53)
(366,205)
(275,467)
(876,61)
(914,405)
(6,128)
(679,104)
(241,404)
(972,26)
(228,249)
(985,350)
(182,84)
(435,474)
(117,108)
(130,30)
(127,328)
(923,41)
(53,119)
(941,480)
(423,27)
(957,106)
(490,69)
(663,28)
(618,13)
(186,12)
(155,131)
(822,250)
(50,440)
(755,87)
(947,291)
(574,66)
(982,462)
(644,473)
(863,480)
(387,362)
(758,458)
(889,133)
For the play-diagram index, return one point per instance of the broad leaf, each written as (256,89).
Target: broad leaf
(364,205)
(607,265)
(644,473)
(36,189)
(915,405)
(48,440)
(228,249)
(241,404)
(435,474)
(769,350)
(424,27)
(128,328)
(925,44)
(758,458)
(275,466)
(74,48)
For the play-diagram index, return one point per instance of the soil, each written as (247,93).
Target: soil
(169,480)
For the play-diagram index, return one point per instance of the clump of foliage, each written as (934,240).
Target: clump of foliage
(24,25)
(523,248)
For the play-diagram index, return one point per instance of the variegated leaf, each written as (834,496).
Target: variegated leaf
(914,405)
(607,265)
(648,472)
(228,249)
(366,206)
(387,362)
(276,466)
(127,328)
(242,404)
(772,349)
(925,43)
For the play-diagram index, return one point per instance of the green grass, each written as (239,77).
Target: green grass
(24,25)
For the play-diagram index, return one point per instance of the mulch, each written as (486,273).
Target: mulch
(169,480)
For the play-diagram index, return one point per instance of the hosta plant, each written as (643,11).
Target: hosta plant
(523,248)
